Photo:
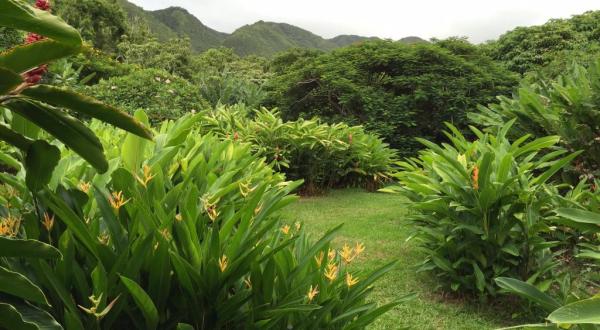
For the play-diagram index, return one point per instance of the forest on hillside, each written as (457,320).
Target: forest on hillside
(158,174)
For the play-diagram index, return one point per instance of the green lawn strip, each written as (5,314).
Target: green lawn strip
(376,219)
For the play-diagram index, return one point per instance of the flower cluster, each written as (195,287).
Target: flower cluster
(34,75)
(9,226)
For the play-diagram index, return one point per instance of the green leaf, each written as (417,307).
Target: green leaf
(27,249)
(581,312)
(9,80)
(40,161)
(88,106)
(20,286)
(9,161)
(143,301)
(26,57)
(25,317)
(134,147)
(21,16)
(528,291)
(67,129)
(13,138)
(580,216)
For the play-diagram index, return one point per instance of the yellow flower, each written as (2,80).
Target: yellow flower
(248,283)
(298,226)
(331,272)
(48,221)
(331,254)
(178,217)
(104,239)
(350,281)
(245,189)
(285,229)
(358,249)
(223,262)
(147,176)
(210,207)
(166,234)
(347,254)
(319,258)
(117,200)
(9,226)
(85,187)
(312,293)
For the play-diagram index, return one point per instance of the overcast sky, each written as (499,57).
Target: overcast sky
(479,20)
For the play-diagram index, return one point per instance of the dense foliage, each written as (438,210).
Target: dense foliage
(399,91)
(567,107)
(160,94)
(481,207)
(323,155)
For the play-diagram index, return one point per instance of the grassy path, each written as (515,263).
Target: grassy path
(376,220)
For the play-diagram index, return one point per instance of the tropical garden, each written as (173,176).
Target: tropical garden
(150,180)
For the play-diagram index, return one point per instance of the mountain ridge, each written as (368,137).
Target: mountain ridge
(260,38)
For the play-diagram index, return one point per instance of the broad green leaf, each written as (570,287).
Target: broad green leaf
(9,161)
(581,312)
(40,161)
(27,249)
(134,147)
(24,126)
(528,291)
(577,215)
(21,16)
(65,128)
(13,138)
(15,315)
(88,106)
(9,80)
(26,57)
(143,302)
(20,286)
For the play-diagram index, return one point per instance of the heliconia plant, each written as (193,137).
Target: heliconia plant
(180,233)
(28,107)
(324,156)
(481,209)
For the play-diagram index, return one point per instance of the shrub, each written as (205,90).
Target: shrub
(160,94)
(481,207)
(566,107)
(396,90)
(323,155)
(181,232)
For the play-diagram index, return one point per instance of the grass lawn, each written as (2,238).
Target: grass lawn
(376,219)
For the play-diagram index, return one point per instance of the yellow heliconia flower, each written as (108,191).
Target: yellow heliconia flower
(248,283)
(223,262)
(48,221)
(350,280)
(147,176)
(166,234)
(312,293)
(347,254)
(331,254)
(117,200)
(358,249)
(104,239)
(9,226)
(85,187)
(285,229)
(178,217)
(331,272)
(319,258)
(210,207)
(245,189)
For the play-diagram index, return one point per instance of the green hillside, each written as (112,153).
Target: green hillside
(349,39)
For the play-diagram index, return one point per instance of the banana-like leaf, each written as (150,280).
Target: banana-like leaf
(143,301)
(41,159)
(9,161)
(585,311)
(528,291)
(580,216)
(134,147)
(16,315)
(88,106)
(65,128)
(17,285)
(21,16)
(27,249)
(13,138)
(9,80)
(26,57)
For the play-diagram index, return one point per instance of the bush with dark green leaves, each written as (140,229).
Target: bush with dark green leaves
(397,90)
(160,94)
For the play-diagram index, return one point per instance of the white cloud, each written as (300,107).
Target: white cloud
(479,20)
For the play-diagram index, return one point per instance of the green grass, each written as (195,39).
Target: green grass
(376,219)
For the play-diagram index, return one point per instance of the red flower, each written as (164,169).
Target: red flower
(236,136)
(42,4)
(476,177)
(35,75)
(33,37)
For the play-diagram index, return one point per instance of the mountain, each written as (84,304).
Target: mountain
(261,38)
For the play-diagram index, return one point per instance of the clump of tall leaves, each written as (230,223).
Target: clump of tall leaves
(567,107)
(28,108)
(481,208)
(181,233)
(323,155)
